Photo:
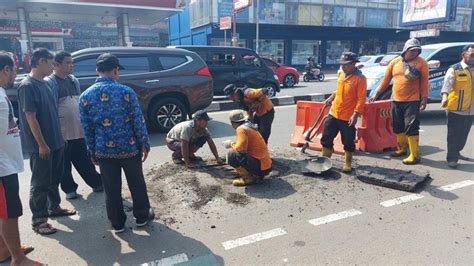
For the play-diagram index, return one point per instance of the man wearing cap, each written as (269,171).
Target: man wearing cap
(257,104)
(410,74)
(249,153)
(187,137)
(347,104)
(117,140)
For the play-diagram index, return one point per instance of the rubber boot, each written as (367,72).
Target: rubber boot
(413,144)
(402,145)
(347,167)
(327,152)
(246,177)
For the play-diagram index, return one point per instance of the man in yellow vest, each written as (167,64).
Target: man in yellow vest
(459,104)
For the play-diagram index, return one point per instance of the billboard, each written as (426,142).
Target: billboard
(419,12)
(241,4)
(151,3)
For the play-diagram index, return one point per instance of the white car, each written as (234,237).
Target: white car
(369,60)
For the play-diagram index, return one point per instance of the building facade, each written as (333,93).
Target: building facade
(292,30)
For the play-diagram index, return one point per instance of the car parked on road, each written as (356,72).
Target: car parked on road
(288,76)
(439,57)
(369,60)
(236,65)
(171,84)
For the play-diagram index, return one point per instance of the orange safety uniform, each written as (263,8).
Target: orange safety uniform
(257,101)
(349,96)
(250,141)
(405,90)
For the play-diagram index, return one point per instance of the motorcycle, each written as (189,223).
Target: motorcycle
(314,74)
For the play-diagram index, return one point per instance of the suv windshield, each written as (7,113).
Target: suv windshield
(426,52)
(387,59)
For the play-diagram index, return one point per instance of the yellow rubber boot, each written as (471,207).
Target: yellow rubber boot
(402,145)
(347,167)
(246,177)
(413,144)
(327,152)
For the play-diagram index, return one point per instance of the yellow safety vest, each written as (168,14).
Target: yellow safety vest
(459,98)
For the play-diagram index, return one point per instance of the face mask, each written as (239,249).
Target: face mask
(411,73)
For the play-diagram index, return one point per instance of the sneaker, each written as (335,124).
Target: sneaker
(453,164)
(72,195)
(120,230)
(143,222)
(178,161)
(98,189)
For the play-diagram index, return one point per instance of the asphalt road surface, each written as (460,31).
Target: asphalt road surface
(287,220)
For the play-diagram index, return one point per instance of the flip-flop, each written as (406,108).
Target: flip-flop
(62,212)
(45,225)
(26,250)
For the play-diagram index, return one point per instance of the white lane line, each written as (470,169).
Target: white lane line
(454,186)
(401,200)
(253,238)
(168,261)
(334,217)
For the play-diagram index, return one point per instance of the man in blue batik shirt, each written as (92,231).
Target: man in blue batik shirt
(117,139)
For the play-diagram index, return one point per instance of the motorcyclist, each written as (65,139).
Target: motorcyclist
(311,66)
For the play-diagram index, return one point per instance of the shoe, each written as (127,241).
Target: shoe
(245,179)
(347,167)
(120,230)
(195,158)
(464,158)
(72,195)
(143,222)
(326,152)
(413,144)
(453,164)
(178,161)
(402,146)
(98,189)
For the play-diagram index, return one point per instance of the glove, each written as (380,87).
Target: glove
(227,144)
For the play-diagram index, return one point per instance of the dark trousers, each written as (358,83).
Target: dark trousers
(458,131)
(194,146)
(249,163)
(264,123)
(44,187)
(405,118)
(332,127)
(76,154)
(111,173)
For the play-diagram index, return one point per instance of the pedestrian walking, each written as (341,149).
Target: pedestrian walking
(457,99)
(257,104)
(347,102)
(117,140)
(187,137)
(249,153)
(11,163)
(41,137)
(66,91)
(410,74)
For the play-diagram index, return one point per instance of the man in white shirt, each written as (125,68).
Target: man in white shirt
(11,163)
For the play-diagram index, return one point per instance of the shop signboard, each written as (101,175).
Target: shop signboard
(225,23)
(241,4)
(426,12)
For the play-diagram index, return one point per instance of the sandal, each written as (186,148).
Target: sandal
(44,229)
(26,250)
(61,212)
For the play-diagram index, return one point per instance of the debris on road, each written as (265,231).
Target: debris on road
(406,180)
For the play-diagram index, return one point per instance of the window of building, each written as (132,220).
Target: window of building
(335,49)
(221,42)
(370,47)
(395,46)
(199,13)
(274,49)
(302,49)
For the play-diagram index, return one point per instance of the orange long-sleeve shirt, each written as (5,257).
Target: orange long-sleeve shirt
(257,101)
(405,90)
(349,96)
(250,141)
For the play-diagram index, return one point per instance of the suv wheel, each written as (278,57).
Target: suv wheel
(289,80)
(165,113)
(271,89)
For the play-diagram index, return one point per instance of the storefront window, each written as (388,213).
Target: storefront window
(335,49)
(370,47)
(222,42)
(199,13)
(274,49)
(395,46)
(301,50)
(344,17)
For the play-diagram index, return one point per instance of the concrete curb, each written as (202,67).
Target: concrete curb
(217,106)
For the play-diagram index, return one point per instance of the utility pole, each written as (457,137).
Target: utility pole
(234,30)
(258,28)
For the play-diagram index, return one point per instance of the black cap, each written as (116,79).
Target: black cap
(348,57)
(107,62)
(201,115)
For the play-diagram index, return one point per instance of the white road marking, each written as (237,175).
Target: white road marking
(253,238)
(334,217)
(454,186)
(401,200)
(168,261)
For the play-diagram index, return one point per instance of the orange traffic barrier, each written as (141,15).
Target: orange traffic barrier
(375,132)
(306,116)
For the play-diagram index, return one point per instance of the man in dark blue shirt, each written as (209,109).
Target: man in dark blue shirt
(116,139)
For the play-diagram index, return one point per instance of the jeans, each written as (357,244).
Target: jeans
(332,126)
(76,154)
(264,123)
(44,187)
(111,173)
(405,118)
(458,131)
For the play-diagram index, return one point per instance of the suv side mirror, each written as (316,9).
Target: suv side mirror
(434,64)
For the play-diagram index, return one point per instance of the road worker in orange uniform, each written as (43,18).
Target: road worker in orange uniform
(347,104)
(249,153)
(410,74)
